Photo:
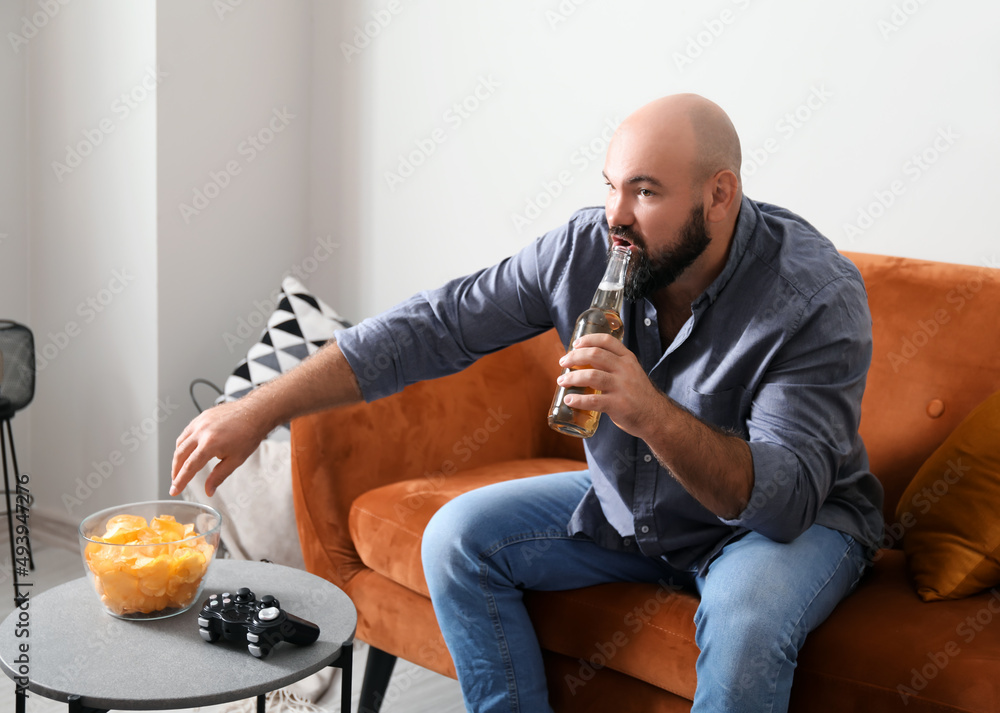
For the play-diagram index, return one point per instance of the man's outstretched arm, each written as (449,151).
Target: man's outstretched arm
(231,432)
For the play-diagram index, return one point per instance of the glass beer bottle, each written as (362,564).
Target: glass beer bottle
(603,317)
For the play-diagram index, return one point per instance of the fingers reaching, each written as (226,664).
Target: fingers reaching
(224,432)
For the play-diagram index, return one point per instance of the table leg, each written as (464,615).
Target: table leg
(76,707)
(345,662)
(261,702)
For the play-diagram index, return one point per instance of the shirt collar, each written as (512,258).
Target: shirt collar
(746,221)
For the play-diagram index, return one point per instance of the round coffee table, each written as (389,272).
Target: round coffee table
(79,654)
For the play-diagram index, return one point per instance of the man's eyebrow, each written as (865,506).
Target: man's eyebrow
(641,178)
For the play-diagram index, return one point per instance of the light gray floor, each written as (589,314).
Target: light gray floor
(412,690)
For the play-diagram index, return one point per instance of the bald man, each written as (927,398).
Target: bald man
(729,462)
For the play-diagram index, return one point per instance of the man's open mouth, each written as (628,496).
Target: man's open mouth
(623,241)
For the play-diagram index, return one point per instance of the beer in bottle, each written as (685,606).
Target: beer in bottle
(603,317)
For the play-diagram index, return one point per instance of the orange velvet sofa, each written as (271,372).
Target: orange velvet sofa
(367,478)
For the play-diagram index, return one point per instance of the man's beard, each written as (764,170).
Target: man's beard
(648,274)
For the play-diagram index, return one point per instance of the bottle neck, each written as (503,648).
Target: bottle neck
(610,292)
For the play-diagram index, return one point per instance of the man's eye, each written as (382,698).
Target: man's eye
(645,192)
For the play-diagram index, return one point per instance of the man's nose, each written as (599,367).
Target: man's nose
(617,210)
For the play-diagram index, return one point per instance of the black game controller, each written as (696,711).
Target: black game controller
(260,624)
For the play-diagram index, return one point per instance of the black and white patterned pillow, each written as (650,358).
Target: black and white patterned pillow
(299,325)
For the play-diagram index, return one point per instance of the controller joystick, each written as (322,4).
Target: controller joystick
(271,625)
(258,624)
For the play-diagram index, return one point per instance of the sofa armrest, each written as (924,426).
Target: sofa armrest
(493,411)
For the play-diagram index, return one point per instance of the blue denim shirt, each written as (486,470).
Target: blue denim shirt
(776,351)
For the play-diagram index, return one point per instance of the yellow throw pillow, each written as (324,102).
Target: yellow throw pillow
(951,510)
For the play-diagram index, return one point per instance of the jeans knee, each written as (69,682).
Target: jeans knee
(746,636)
(449,547)
(743,655)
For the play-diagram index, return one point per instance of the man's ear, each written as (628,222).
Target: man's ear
(721,191)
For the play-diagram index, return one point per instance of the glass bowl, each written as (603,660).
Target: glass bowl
(149,560)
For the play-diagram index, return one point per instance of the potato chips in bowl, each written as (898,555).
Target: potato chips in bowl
(149,560)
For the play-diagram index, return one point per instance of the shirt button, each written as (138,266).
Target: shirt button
(647,321)
(627,541)
(644,529)
(647,458)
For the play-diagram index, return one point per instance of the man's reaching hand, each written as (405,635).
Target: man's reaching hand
(229,432)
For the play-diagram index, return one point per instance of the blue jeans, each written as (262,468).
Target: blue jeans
(759,598)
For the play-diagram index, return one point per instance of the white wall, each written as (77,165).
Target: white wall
(883,84)
(92,189)
(233,185)
(135,112)
(14,284)
(13,162)
(337,159)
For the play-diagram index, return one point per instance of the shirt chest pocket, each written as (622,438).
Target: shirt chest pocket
(728,409)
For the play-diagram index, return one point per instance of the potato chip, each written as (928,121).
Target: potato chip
(142,567)
(168,528)
(154,573)
(189,565)
(125,522)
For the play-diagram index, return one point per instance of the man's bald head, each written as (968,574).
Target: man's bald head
(690,118)
(674,193)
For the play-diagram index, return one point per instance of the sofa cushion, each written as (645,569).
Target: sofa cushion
(952,533)
(606,691)
(885,649)
(387,523)
(625,621)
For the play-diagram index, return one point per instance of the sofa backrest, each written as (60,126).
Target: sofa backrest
(936,331)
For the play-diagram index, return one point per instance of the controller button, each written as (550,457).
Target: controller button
(252,637)
(268,614)
(202,621)
(206,635)
(255,650)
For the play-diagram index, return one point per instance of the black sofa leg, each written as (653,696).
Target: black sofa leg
(378,671)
